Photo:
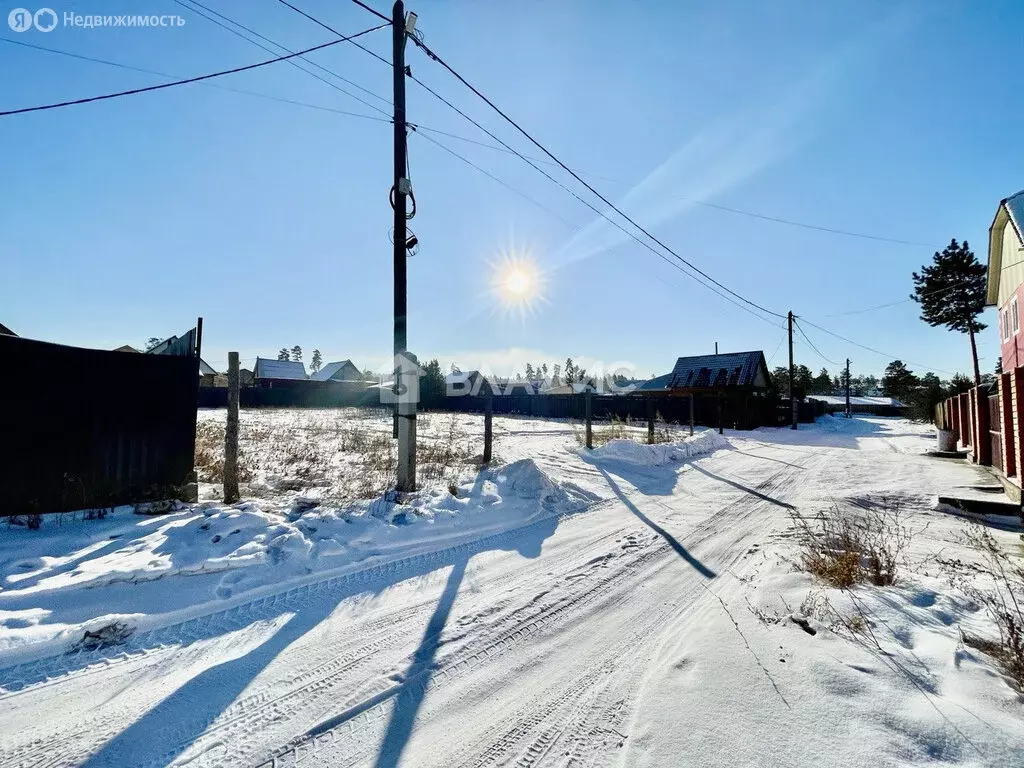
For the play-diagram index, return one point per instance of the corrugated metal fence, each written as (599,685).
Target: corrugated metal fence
(85,428)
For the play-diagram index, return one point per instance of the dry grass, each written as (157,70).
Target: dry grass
(849,547)
(619,429)
(1004,602)
(345,455)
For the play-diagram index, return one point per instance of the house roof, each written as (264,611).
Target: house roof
(127,348)
(5,331)
(279,369)
(657,384)
(328,371)
(1015,207)
(732,369)
(1010,209)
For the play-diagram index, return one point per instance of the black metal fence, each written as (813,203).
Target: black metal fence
(738,410)
(84,428)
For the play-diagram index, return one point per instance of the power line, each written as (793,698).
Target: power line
(872,349)
(576,176)
(566,189)
(357,45)
(219,86)
(375,12)
(198,79)
(696,201)
(811,343)
(575,228)
(926,293)
(287,50)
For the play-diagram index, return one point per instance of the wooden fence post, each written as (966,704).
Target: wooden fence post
(488,417)
(590,415)
(720,430)
(650,422)
(691,414)
(231,434)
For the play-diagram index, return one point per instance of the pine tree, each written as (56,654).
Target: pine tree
(899,381)
(297,354)
(152,342)
(952,292)
(432,385)
(570,371)
(316,362)
(556,375)
(822,383)
(283,354)
(544,370)
(958,385)
(529,371)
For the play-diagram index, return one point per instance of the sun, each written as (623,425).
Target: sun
(517,282)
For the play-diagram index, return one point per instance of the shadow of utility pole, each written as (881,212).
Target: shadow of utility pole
(741,487)
(417,677)
(702,569)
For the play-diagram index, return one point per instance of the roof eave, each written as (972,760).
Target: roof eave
(995,255)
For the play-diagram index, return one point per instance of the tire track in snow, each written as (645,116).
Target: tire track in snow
(446,673)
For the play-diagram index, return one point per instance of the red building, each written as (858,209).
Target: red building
(1006,277)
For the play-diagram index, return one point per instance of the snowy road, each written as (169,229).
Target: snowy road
(614,636)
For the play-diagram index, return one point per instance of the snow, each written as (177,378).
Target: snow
(241,548)
(632,605)
(703,442)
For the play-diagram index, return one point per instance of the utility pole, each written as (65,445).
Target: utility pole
(792,400)
(716,347)
(406,411)
(847,387)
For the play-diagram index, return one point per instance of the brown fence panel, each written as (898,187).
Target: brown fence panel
(84,428)
(995,434)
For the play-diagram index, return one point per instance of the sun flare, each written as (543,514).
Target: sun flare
(517,282)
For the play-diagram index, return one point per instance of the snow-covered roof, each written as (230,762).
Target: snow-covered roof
(1015,207)
(328,371)
(657,384)
(841,400)
(279,369)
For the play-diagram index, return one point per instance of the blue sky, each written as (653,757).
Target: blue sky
(126,219)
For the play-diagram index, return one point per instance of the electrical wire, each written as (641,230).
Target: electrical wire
(575,228)
(426,49)
(419,42)
(197,79)
(287,50)
(811,343)
(386,19)
(872,349)
(695,201)
(219,86)
(374,11)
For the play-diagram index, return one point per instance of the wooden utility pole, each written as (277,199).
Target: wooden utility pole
(406,408)
(590,415)
(231,494)
(792,372)
(488,427)
(691,414)
(847,387)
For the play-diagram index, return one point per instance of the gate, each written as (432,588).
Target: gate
(995,433)
(86,428)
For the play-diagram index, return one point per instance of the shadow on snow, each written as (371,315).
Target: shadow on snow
(170,727)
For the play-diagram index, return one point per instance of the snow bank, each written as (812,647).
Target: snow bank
(60,582)
(700,444)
